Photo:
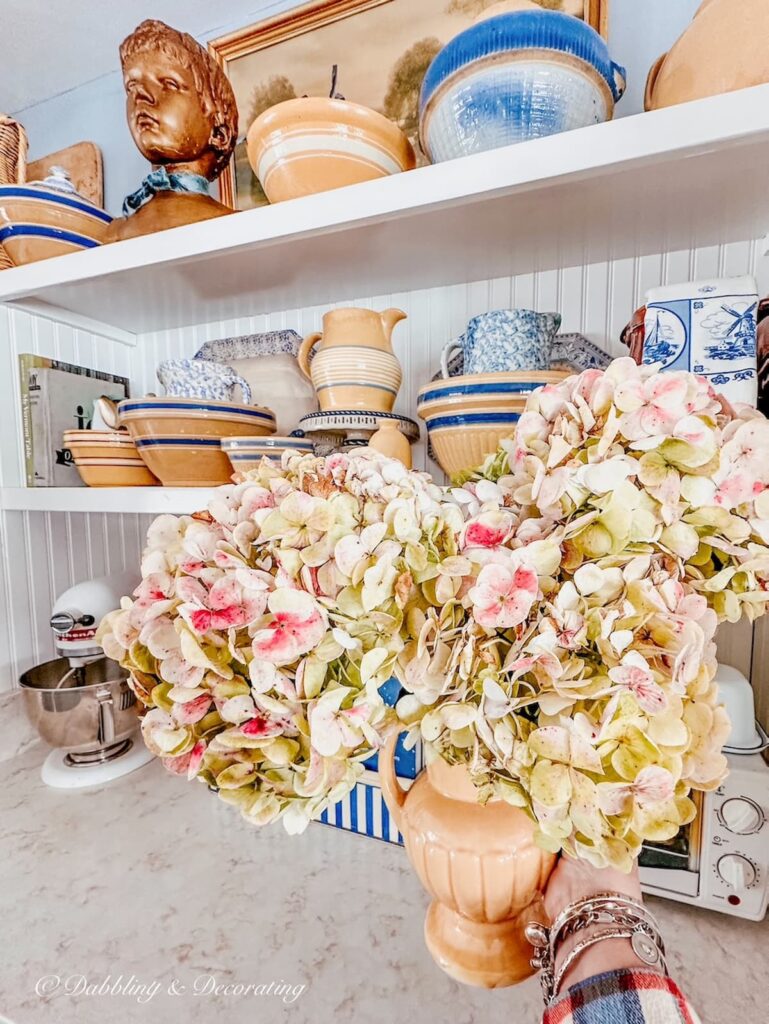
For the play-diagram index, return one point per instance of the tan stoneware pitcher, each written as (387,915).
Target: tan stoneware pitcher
(481,867)
(354,366)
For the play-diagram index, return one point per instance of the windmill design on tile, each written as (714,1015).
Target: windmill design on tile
(738,341)
(657,347)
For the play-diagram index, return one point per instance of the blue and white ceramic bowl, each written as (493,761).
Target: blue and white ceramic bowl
(468,416)
(517,76)
(192,417)
(41,219)
(246,453)
(482,392)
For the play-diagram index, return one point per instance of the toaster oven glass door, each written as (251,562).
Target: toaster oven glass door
(674,865)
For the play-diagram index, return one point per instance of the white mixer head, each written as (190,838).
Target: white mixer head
(79,610)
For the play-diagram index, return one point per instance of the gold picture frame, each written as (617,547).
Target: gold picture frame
(378,45)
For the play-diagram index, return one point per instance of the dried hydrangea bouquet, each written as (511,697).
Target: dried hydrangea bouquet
(552,620)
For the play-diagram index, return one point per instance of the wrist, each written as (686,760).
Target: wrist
(607,955)
(602,932)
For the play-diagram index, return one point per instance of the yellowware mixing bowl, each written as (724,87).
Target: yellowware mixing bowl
(314,144)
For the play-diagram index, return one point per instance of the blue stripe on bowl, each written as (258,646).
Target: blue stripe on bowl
(195,406)
(178,442)
(19,192)
(472,419)
(252,456)
(253,444)
(40,231)
(356,384)
(503,388)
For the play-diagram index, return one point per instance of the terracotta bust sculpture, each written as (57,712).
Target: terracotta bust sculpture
(182,115)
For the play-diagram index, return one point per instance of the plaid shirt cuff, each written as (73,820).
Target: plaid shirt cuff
(623,997)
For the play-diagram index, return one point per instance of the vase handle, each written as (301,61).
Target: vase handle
(303,356)
(393,793)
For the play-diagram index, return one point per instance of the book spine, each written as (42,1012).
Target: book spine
(26,365)
(40,439)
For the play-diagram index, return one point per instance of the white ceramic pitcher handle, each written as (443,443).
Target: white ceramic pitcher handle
(446,354)
(392,791)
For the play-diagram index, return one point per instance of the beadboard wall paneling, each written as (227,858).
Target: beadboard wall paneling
(44,553)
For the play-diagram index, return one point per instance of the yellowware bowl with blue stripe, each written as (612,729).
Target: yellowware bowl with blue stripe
(467,416)
(194,417)
(247,453)
(38,222)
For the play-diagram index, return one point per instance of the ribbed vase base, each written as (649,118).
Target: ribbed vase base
(485,955)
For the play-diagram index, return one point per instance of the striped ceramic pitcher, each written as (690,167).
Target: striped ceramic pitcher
(354,366)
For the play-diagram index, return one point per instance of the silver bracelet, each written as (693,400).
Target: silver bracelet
(618,917)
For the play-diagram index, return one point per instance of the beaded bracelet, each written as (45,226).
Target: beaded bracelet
(616,915)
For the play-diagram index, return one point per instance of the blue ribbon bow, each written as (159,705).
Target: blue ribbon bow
(161,181)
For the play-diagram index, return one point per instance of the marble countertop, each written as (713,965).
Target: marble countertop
(153,882)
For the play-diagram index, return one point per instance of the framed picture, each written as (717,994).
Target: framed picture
(381,48)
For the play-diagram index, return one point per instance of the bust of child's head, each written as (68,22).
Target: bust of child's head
(180,106)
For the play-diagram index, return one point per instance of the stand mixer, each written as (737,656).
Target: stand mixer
(81,703)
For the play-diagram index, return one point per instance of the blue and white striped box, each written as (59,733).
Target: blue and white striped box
(363,810)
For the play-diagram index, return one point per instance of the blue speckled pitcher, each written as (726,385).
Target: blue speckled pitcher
(506,339)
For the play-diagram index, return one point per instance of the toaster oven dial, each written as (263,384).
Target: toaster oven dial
(737,871)
(741,816)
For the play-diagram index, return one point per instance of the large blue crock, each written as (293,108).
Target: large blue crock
(515,76)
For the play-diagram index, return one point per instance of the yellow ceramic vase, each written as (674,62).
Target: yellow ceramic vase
(354,366)
(481,867)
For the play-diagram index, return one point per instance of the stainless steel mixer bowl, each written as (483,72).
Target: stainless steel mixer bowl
(91,711)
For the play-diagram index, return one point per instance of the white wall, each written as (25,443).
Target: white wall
(640,30)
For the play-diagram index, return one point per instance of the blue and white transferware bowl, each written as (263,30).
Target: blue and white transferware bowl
(513,77)
(48,218)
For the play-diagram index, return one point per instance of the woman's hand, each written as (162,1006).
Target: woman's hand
(575,880)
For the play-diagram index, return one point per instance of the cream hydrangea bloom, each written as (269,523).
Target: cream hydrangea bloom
(585,694)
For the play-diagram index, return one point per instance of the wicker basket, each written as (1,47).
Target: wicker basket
(13,151)
(13,163)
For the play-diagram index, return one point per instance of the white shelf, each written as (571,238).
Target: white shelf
(153,500)
(692,175)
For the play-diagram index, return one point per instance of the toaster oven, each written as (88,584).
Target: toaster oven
(721,860)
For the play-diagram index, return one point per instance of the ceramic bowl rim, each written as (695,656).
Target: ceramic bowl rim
(278,118)
(179,441)
(200,408)
(268,441)
(460,421)
(504,378)
(25,191)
